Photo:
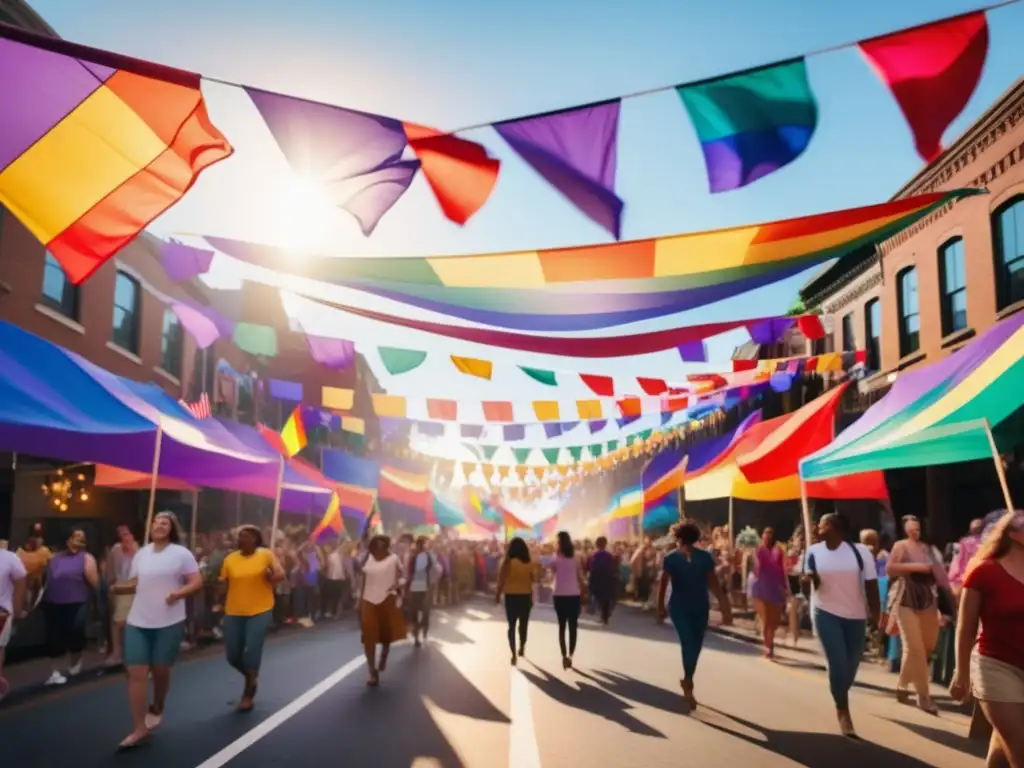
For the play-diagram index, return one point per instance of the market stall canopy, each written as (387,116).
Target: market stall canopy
(127,480)
(937,414)
(55,404)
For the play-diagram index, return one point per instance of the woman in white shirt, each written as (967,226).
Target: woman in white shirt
(163,574)
(845,591)
(381,618)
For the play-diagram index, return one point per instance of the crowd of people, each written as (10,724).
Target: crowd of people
(240,585)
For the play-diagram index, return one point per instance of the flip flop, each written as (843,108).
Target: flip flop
(122,747)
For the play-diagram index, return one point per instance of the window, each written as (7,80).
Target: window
(170,344)
(849,342)
(1008,242)
(910,319)
(873,334)
(59,293)
(125,331)
(953,286)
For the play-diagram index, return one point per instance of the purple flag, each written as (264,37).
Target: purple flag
(552,429)
(597,426)
(693,352)
(471,431)
(282,389)
(576,151)
(205,325)
(355,155)
(183,262)
(430,428)
(770,331)
(336,354)
(514,432)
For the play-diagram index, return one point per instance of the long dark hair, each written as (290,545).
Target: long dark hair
(517,550)
(565,547)
(175,536)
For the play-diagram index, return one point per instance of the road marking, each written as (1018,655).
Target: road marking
(522,739)
(283,715)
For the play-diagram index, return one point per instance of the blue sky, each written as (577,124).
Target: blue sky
(450,63)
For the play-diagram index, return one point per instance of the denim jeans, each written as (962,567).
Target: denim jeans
(842,640)
(243,640)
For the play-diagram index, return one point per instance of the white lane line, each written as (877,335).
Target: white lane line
(283,715)
(522,738)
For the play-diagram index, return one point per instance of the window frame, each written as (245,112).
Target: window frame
(69,305)
(136,313)
(1002,267)
(946,296)
(872,335)
(908,339)
(172,366)
(849,336)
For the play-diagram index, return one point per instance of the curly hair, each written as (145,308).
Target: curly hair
(686,532)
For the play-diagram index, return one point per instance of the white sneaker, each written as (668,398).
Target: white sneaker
(74,670)
(56,679)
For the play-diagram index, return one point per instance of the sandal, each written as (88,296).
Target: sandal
(153,718)
(132,741)
(374,679)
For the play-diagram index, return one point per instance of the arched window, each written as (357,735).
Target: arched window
(1008,245)
(125,331)
(873,334)
(952,286)
(910,319)
(59,293)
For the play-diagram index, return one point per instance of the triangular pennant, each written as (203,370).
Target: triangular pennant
(551,455)
(521,454)
(468,467)
(489,451)
(539,374)
(397,361)
(596,450)
(488,470)
(502,473)
(752,123)
(538,472)
(932,72)
(521,472)
(576,451)
(471,366)
(602,386)
(460,172)
(576,150)
(356,157)
(612,445)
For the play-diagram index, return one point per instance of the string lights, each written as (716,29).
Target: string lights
(64,488)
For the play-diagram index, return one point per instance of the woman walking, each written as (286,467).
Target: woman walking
(163,574)
(770,588)
(515,580)
(691,573)
(70,577)
(993,595)
(249,575)
(912,605)
(422,572)
(567,597)
(845,592)
(381,618)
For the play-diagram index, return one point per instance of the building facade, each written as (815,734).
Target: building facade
(927,291)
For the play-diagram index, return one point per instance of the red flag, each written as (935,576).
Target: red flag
(932,72)
(602,386)
(460,172)
(810,326)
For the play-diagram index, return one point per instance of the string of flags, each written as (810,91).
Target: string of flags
(143,136)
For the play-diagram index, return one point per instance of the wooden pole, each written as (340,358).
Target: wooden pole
(277,505)
(195,520)
(1000,471)
(806,507)
(153,476)
(732,533)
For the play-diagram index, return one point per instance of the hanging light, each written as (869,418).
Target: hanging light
(63,507)
(81,477)
(60,473)
(56,502)
(84,496)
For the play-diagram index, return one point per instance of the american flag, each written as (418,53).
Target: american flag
(200,409)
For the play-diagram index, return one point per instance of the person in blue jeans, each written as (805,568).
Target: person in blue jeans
(692,573)
(845,595)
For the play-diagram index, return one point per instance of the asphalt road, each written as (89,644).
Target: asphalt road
(458,702)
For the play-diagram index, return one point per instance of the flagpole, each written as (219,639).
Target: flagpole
(193,522)
(1000,471)
(732,533)
(277,504)
(153,480)
(805,507)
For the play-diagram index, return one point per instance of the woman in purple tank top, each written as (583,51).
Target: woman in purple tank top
(70,577)
(770,588)
(567,599)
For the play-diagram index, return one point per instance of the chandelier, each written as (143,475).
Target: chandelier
(65,488)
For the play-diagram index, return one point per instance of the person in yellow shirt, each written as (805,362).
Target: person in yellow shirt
(249,575)
(516,579)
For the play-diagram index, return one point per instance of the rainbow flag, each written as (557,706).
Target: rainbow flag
(330,523)
(409,491)
(597,286)
(547,529)
(95,146)
(293,435)
(752,123)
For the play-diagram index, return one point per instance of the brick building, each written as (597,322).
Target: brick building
(928,291)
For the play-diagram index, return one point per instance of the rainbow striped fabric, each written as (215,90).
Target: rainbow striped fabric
(95,146)
(597,286)
(937,414)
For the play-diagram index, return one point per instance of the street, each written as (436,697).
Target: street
(458,702)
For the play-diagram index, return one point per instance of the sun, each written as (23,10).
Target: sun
(303,213)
